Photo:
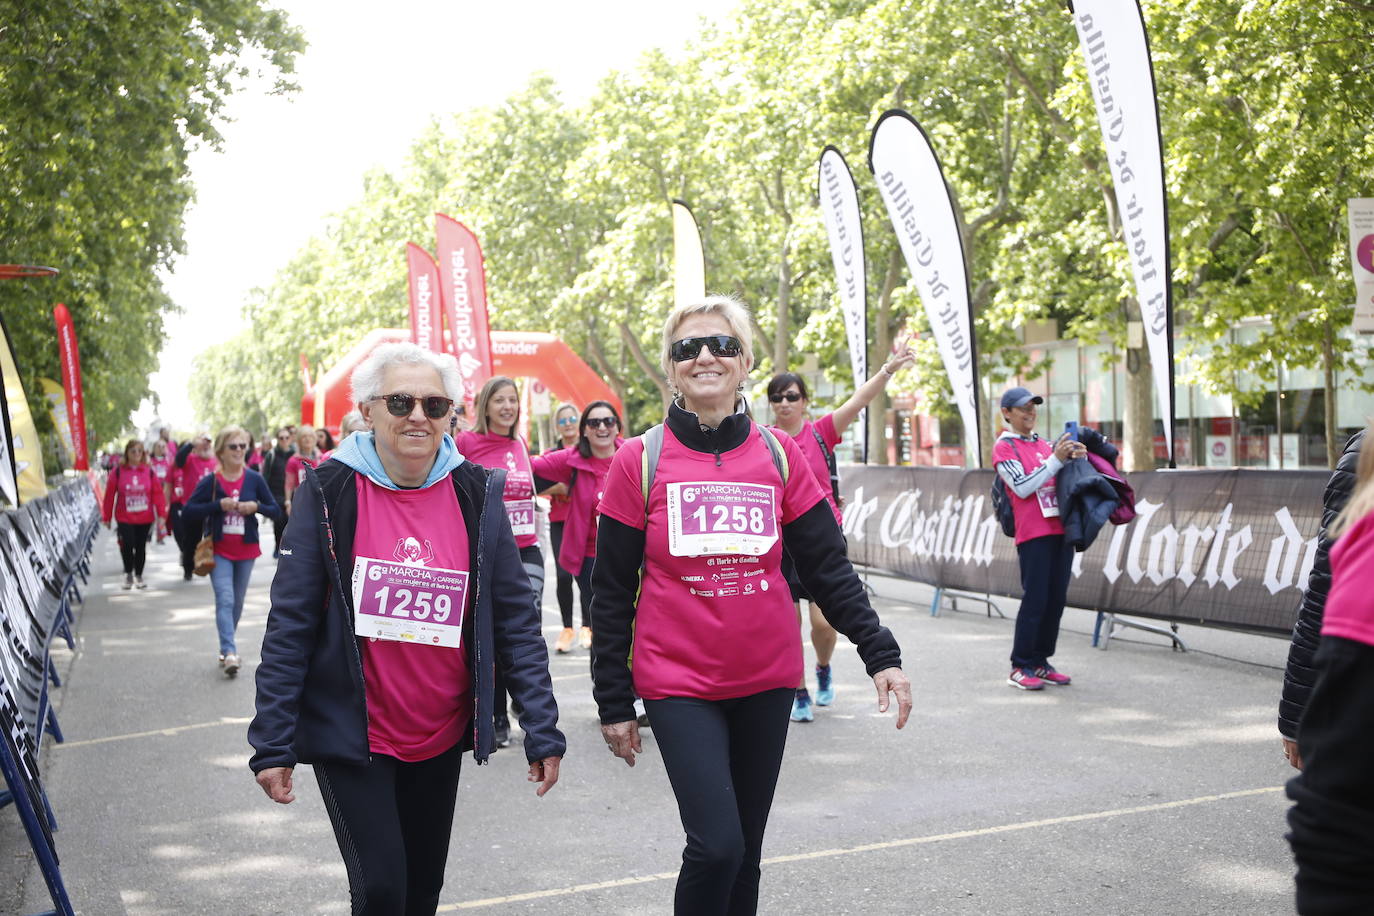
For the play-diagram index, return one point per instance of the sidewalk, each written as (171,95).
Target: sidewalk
(1152,785)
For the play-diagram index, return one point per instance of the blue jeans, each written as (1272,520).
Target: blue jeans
(229,579)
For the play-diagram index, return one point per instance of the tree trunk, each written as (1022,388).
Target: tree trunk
(1138,416)
(882,345)
(654,373)
(782,333)
(1333,444)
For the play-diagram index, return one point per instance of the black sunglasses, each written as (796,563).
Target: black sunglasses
(401,405)
(236,446)
(690,347)
(790,397)
(602,422)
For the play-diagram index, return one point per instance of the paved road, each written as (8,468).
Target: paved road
(1152,785)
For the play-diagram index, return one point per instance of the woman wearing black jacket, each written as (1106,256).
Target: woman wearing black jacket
(398,593)
(1301,672)
(716,646)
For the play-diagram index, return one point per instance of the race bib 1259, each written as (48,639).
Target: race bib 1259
(408,603)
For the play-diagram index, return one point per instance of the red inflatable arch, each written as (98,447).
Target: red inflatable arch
(518,354)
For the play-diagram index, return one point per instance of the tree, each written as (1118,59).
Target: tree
(101,103)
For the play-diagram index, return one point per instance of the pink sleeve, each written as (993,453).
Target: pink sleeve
(107,506)
(1349,614)
(623,497)
(463,440)
(802,492)
(826,427)
(159,501)
(552,465)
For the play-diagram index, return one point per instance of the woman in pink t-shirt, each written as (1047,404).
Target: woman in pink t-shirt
(817,440)
(565,432)
(134,503)
(492,443)
(187,471)
(688,582)
(383,685)
(307,455)
(583,469)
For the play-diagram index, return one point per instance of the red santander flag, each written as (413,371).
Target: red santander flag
(426,328)
(71,384)
(463,279)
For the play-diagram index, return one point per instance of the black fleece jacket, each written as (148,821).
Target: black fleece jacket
(1301,672)
(814,541)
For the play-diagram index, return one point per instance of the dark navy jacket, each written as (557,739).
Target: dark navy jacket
(311,699)
(203,504)
(1086,497)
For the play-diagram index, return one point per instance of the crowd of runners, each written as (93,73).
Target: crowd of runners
(406,605)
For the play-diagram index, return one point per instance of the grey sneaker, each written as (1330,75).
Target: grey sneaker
(128,581)
(231,665)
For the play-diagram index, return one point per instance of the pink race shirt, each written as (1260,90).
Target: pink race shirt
(493,451)
(231,545)
(1349,613)
(815,458)
(719,623)
(296,465)
(419,697)
(1031,520)
(134,496)
(188,476)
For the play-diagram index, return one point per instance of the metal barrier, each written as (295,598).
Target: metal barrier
(45,548)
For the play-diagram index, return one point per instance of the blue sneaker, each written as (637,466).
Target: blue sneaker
(801,707)
(825,687)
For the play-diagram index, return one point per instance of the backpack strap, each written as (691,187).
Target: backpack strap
(829,463)
(653,448)
(648,463)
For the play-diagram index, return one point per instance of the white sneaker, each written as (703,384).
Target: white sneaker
(231,665)
(139,583)
(128,581)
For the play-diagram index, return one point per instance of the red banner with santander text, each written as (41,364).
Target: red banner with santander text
(463,279)
(425,325)
(71,384)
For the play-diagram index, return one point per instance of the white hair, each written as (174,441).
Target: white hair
(366,380)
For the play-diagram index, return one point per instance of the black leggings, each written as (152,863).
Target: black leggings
(187,535)
(133,546)
(564,585)
(722,758)
(392,820)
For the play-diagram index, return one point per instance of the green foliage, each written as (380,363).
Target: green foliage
(1264,110)
(100,104)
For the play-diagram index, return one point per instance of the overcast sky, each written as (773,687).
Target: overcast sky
(370,81)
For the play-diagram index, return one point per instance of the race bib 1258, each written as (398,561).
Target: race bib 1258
(708,517)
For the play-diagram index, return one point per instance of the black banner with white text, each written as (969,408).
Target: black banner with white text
(1225,548)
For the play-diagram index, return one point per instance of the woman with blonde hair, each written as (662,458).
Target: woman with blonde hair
(230,499)
(565,435)
(307,455)
(493,442)
(695,516)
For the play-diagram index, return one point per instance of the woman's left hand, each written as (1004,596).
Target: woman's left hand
(901,357)
(892,680)
(544,772)
(623,739)
(248,507)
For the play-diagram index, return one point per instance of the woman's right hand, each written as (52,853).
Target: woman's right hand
(623,740)
(229,504)
(1068,448)
(276,782)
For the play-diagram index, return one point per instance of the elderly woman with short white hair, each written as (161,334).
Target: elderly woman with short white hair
(694,518)
(398,593)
